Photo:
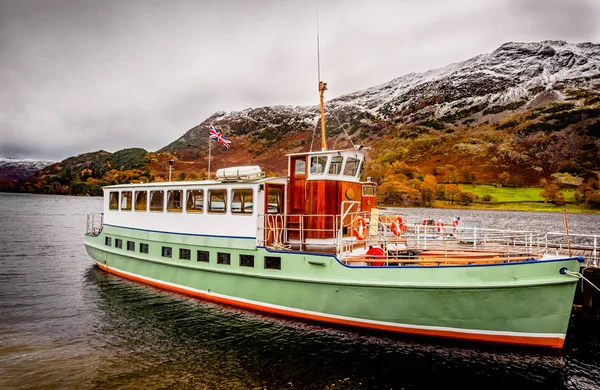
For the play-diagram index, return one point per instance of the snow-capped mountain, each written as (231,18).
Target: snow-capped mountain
(513,71)
(516,75)
(12,169)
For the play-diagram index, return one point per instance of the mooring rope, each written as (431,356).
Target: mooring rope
(579,275)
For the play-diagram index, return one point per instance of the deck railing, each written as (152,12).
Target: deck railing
(334,235)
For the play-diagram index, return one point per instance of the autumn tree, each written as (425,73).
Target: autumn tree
(504,178)
(451,192)
(551,193)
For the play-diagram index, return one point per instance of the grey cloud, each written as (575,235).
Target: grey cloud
(78,76)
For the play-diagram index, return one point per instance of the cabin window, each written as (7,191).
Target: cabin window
(272,262)
(141,200)
(368,190)
(143,248)
(174,200)
(203,256)
(360,169)
(223,258)
(300,167)
(118,243)
(336,165)
(195,201)
(126,198)
(130,246)
(185,254)
(351,167)
(113,201)
(107,241)
(157,200)
(167,251)
(317,164)
(275,198)
(246,261)
(242,201)
(217,201)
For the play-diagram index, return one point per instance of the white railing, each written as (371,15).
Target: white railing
(334,234)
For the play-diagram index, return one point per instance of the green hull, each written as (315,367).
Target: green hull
(520,303)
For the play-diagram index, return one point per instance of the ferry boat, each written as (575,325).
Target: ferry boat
(313,245)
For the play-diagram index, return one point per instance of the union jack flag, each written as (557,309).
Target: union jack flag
(216,134)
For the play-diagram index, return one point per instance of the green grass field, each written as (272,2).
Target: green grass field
(520,199)
(510,194)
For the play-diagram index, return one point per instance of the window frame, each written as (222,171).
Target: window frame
(113,204)
(156,210)
(137,203)
(242,203)
(169,201)
(214,192)
(167,252)
(187,201)
(224,258)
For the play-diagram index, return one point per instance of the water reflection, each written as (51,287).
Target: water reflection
(152,336)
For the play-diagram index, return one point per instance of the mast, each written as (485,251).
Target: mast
(322,89)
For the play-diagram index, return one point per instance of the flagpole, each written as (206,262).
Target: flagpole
(209,146)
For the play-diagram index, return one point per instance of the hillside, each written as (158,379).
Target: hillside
(528,112)
(530,109)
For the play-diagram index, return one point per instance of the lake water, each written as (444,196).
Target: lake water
(64,324)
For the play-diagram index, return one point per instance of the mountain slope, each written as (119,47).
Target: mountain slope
(526,108)
(13,169)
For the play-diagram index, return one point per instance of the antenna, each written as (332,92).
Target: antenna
(322,88)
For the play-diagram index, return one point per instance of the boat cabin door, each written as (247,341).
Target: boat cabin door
(274,209)
(297,174)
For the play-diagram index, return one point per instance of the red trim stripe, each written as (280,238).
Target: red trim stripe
(549,342)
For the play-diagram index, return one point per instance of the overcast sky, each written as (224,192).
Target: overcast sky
(83,75)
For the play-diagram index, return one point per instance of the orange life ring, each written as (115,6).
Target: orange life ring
(359,228)
(398,225)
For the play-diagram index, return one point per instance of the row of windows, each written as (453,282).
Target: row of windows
(271,262)
(241,202)
(331,165)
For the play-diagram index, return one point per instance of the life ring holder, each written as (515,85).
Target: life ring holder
(359,228)
(398,225)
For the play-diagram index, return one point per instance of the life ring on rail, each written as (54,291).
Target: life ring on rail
(359,228)
(398,225)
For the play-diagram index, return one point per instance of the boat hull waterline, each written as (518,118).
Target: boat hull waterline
(526,303)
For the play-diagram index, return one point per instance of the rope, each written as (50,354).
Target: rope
(342,126)
(579,275)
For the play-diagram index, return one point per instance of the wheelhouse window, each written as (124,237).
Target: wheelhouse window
(300,166)
(272,262)
(157,199)
(174,200)
(113,200)
(195,201)
(141,200)
(216,201)
(118,243)
(130,246)
(317,164)
(167,251)
(351,167)
(143,248)
(203,256)
(223,258)
(185,254)
(242,201)
(126,200)
(336,165)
